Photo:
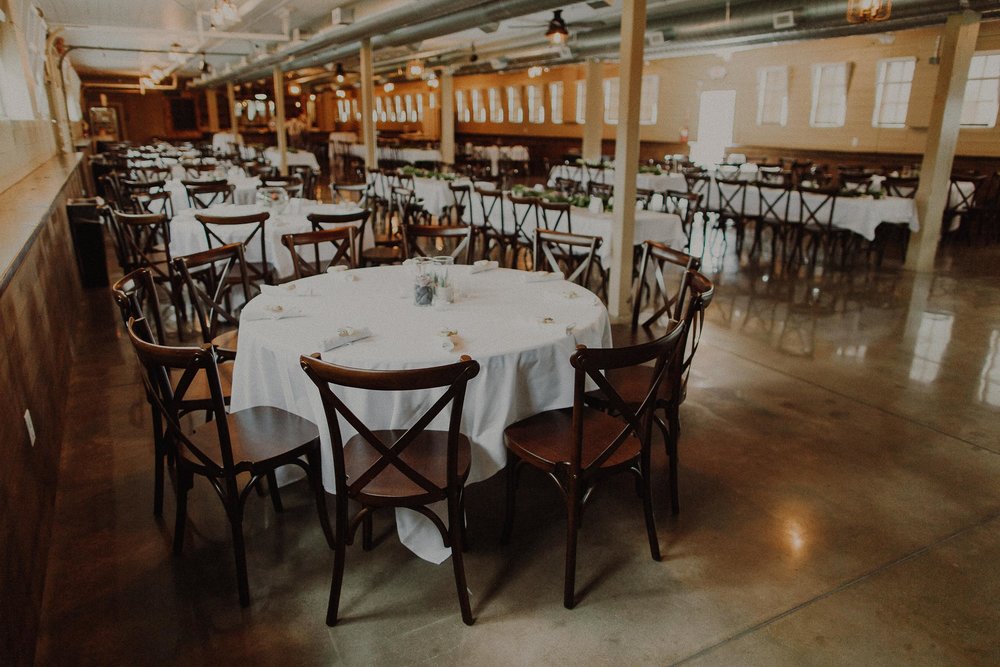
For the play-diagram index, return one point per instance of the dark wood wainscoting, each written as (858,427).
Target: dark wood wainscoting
(39,297)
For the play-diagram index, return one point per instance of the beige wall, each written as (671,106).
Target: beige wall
(24,146)
(683,79)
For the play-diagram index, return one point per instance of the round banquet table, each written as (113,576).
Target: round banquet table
(502,322)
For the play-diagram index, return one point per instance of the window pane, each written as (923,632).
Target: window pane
(611,101)
(496,106)
(556,101)
(515,113)
(536,105)
(581,102)
(982,91)
(649,100)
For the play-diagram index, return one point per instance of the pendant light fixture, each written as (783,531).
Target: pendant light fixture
(557,33)
(868,11)
(341,75)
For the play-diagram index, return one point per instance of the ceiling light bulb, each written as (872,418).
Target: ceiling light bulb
(389,87)
(340,73)
(557,33)
(415,68)
(433,83)
(534,72)
(294,89)
(341,94)
(260,96)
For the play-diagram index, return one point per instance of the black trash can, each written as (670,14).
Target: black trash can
(86,227)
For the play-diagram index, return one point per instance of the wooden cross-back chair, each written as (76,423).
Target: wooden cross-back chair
(644,197)
(686,206)
(897,186)
(573,255)
(291,184)
(197,170)
(308,178)
(730,196)
(568,186)
(774,203)
(855,182)
(145,243)
(340,239)
(355,193)
(150,173)
(578,448)
(816,209)
(154,202)
(595,173)
(358,219)
(205,194)
(256,222)
(556,216)
(526,218)
(253,442)
(456,241)
(632,381)
(397,468)
(210,277)
(499,226)
(461,209)
(605,191)
(660,293)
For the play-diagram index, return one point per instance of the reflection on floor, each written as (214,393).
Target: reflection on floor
(840,493)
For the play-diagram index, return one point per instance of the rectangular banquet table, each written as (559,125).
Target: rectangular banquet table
(522,334)
(655,182)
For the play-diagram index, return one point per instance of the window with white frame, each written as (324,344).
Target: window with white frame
(462,107)
(400,114)
(379,111)
(354,108)
(892,91)
(982,91)
(556,102)
(648,100)
(411,111)
(581,102)
(829,95)
(496,105)
(432,100)
(343,110)
(35,33)
(772,95)
(478,108)
(420,107)
(536,104)
(515,112)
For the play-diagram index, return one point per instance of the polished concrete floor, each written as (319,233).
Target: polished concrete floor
(840,491)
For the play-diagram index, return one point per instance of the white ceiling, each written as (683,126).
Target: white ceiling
(157,24)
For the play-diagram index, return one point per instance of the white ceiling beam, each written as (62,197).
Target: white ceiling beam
(165,33)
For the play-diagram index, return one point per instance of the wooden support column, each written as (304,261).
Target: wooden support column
(447,118)
(593,113)
(212,100)
(279,118)
(630,54)
(957,47)
(368,105)
(233,119)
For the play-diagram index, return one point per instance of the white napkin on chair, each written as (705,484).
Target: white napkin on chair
(344,336)
(288,289)
(484,265)
(542,276)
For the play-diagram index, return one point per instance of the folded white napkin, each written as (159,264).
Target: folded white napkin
(337,268)
(542,276)
(484,265)
(272,311)
(344,336)
(288,289)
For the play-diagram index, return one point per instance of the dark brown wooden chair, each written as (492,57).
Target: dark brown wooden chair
(460,211)
(308,178)
(455,241)
(664,299)
(631,382)
(210,280)
(291,184)
(202,195)
(498,230)
(255,441)
(526,220)
(198,170)
(145,243)
(573,255)
(397,468)
(686,206)
(255,232)
(568,186)
(357,219)
(154,202)
(579,447)
(342,240)
(556,216)
(896,186)
(774,203)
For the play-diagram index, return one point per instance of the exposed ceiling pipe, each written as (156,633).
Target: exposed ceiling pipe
(414,12)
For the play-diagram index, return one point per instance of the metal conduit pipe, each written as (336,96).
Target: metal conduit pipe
(456,22)
(417,11)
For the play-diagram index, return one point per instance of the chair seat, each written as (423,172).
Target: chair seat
(631,383)
(260,437)
(226,343)
(546,440)
(383,254)
(426,454)
(198,392)
(622,335)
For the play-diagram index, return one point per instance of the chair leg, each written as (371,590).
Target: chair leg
(272,490)
(316,480)
(339,555)
(647,504)
(185,480)
(455,523)
(239,550)
(508,522)
(572,530)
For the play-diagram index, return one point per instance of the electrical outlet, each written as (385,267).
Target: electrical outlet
(30,425)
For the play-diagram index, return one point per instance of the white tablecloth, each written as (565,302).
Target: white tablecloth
(411,155)
(187,235)
(245,191)
(225,141)
(654,182)
(299,157)
(525,363)
(343,137)
(649,225)
(861,215)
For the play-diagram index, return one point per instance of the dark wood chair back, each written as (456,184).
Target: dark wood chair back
(146,241)
(525,211)
(897,186)
(731,197)
(135,295)
(292,184)
(556,216)
(568,186)
(774,202)
(204,195)
(357,219)
(816,206)
(852,182)
(605,191)
(685,205)
(461,211)
(342,240)
(210,277)
(701,291)
(670,271)
(459,237)
(255,222)
(154,202)
(308,178)
(573,255)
